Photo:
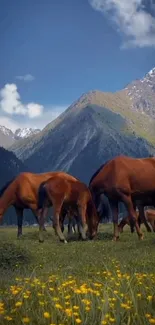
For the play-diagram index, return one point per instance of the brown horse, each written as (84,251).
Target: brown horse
(63,192)
(150,217)
(22,193)
(128,180)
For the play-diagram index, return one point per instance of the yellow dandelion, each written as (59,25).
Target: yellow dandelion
(139,295)
(75,307)
(8,318)
(147,315)
(76,314)
(104,322)
(26,320)
(149,298)
(152,320)
(78,320)
(58,306)
(18,303)
(47,315)
(112,320)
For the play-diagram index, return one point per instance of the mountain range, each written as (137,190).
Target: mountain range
(8,137)
(95,128)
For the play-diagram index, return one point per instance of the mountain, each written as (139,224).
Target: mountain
(95,128)
(142,94)
(7,137)
(26,132)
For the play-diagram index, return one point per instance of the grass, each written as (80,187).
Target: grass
(92,283)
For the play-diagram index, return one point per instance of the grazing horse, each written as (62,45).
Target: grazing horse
(150,217)
(128,180)
(63,192)
(19,210)
(22,193)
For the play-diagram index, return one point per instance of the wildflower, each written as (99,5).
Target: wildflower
(104,322)
(26,320)
(149,298)
(18,303)
(58,306)
(78,320)
(152,320)
(75,307)
(147,315)
(46,314)
(8,318)
(112,320)
(139,295)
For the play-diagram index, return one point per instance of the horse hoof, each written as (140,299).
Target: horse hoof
(64,241)
(19,236)
(141,237)
(115,238)
(41,240)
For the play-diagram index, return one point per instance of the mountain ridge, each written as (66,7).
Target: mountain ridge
(98,125)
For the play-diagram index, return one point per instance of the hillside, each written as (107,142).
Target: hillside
(8,137)
(95,128)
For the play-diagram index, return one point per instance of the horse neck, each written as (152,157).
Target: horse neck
(7,198)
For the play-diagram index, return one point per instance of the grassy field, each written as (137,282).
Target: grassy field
(92,283)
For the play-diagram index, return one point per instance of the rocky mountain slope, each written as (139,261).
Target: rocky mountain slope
(95,128)
(7,137)
(142,94)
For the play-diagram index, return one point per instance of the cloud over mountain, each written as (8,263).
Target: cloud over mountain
(134,18)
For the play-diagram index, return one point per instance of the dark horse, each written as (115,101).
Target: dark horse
(128,180)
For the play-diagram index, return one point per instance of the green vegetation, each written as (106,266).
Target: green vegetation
(92,283)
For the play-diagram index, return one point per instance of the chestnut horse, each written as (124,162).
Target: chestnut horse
(63,192)
(150,217)
(128,180)
(22,193)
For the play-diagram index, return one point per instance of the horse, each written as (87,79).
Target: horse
(128,180)
(150,217)
(63,192)
(22,193)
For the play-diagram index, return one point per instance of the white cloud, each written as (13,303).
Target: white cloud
(10,103)
(26,77)
(35,115)
(9,123)
(132,19)
(37,122)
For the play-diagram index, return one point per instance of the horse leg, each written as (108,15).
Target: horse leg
(132,215)
(114,209)
(19,213)
(35,213)
(41,219)
(143,218)
(122,225)
(81,221)
(57,206)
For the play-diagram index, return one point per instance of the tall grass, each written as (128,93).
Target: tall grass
(91,283)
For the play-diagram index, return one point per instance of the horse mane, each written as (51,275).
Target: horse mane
(2,190)
(98,170)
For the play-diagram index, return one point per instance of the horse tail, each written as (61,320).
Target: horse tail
(42,195)
(104,208)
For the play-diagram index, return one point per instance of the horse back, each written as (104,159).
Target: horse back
(128,174)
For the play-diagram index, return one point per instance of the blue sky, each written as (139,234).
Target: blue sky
(53,51)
